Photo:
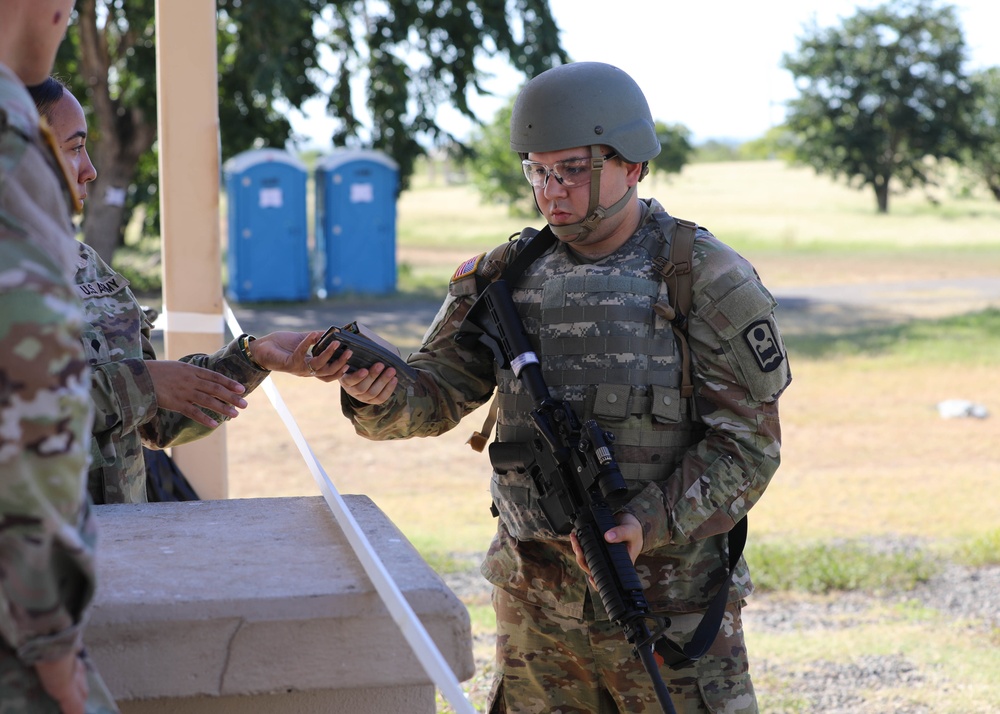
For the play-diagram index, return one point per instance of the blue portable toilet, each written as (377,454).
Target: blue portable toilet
(268,252)
(356,221)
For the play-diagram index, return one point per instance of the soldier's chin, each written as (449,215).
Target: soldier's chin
(558,228)
(570,238)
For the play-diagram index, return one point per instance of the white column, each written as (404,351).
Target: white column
(188,125)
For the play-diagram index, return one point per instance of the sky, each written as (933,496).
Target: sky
(714,67)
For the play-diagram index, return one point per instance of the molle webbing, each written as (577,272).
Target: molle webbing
(557,286)
(638,437)
(601,345)
(600,375)
(578,313)
(638,405)
(641,454)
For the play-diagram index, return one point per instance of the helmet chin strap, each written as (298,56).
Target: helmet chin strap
(595,212)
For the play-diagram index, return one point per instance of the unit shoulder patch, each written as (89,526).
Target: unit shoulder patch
(764,345)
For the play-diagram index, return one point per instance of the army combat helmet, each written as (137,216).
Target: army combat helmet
(585,104)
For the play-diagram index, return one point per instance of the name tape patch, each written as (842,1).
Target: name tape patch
(101,288)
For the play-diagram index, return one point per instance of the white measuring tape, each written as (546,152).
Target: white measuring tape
(413,630)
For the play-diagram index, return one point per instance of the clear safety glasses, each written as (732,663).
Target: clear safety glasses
(569,172)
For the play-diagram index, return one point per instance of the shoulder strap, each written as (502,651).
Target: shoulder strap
(675,269)
(528,247)
(681,250)
(535,243)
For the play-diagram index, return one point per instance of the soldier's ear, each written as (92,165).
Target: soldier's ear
(635,172)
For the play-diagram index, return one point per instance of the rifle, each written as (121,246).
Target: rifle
(574,472)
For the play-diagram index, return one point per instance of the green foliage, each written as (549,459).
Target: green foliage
(880,94)
(829,567)
(253,76)
(984,158)
(777,143)
(675,148)
(400,60)
(716,150)
(494,168)
(415,56)
(140,264)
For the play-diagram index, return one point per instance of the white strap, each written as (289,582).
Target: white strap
(194,322)
(413,630)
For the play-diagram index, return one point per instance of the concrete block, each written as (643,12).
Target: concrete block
(245,597)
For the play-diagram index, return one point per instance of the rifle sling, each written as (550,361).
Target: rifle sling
(678,657)
(537,245)
(533,250)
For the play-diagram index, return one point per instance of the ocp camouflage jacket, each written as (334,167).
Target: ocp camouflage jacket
(116,341)
(47,573)
(694,470)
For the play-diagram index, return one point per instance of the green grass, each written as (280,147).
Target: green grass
(827,567)
(981,550)
(963,339)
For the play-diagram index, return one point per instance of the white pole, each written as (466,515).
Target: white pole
(188,131)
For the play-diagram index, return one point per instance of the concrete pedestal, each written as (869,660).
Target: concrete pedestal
(260,605)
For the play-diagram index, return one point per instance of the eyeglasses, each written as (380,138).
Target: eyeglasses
(568,172)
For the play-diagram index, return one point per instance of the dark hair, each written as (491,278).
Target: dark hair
(46,94)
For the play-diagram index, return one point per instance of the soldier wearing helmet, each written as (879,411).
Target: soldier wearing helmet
(604,117)
(697,445)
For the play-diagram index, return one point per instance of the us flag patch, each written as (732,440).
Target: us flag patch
(468,267)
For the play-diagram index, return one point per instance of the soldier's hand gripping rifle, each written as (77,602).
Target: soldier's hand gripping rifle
(574,473)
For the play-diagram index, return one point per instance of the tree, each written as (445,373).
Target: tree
(675,148)
(881,94)
(412,57)
(984,157)
(495,169)
(776,143)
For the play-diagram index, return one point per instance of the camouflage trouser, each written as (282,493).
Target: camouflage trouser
(21,691)
(552,664)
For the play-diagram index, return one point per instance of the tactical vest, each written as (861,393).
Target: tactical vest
(607,348)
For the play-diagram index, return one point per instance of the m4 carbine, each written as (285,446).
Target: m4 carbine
(573,468)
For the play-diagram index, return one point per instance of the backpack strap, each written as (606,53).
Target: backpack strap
(676,271)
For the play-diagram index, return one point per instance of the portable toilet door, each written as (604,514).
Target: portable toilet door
(268,251)
(356,221)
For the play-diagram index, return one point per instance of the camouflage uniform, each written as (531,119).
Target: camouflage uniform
(116,341)
(47,573)
(694,467)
